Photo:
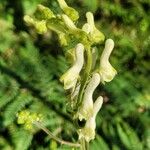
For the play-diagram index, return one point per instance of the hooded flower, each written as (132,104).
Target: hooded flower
(95,35)
(86,109)
(88,131)
(70,77)
(106,71)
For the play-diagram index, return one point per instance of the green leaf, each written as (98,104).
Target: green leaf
(99,144)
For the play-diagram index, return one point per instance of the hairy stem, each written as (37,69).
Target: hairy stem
(39,125)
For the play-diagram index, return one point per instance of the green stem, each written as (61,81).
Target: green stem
(84,144)
(39,125)
(87,145)
(85,75)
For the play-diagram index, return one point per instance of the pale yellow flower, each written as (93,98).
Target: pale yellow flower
(86,109)
(106,71)
(88,131)
(70,77)
(95,35)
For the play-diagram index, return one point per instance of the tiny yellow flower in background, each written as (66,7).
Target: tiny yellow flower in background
(27,119)
(86,109)
(70,77)
(106,71)
(88,131)
(23,116)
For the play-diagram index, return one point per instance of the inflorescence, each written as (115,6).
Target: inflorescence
(82,78)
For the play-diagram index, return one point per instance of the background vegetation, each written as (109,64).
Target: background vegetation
(31,64)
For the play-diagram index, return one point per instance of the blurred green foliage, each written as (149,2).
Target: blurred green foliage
(31,64)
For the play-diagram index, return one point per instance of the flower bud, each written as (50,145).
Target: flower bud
(71,76)
(40,27)
(69,11)
(106,71)
(43,13)
(62,39)
(29,20)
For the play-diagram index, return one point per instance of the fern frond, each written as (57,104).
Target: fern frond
(11,110)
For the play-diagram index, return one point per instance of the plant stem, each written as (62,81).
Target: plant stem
(39,125)
(87,145)
(84,144)
(85,74)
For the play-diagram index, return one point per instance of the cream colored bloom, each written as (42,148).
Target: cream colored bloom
(70,77)
(86,109)
(107,72)
(88,132)
(89,27)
